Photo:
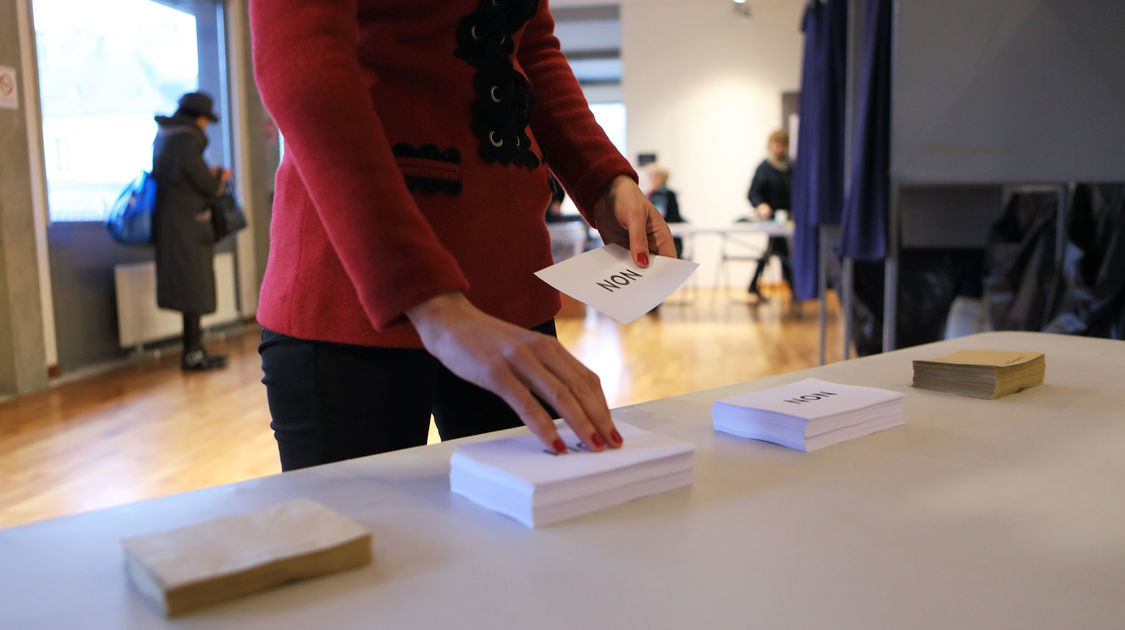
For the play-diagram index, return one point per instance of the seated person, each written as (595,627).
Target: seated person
(769,192)
(558,195)
(665,201)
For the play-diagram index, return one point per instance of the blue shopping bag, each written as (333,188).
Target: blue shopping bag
(130,218)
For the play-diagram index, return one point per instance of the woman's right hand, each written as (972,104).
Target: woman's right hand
(765,211)
(513,362)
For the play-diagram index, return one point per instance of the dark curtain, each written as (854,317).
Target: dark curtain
(818,190)
(937,277)
(1027,288)
(1091,284)
(864,222)
(1022,278)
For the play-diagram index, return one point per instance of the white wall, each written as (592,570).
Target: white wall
(702,88)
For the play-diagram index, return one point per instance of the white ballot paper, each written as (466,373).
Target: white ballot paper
(518,477)
(809,414)
(609,280)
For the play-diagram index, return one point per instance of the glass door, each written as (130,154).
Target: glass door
(105,69)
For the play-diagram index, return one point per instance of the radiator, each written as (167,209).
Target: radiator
(140,321)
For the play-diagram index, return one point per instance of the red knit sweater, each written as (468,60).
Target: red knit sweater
(368,220)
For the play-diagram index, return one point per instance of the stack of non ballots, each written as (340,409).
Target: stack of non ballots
(519,478)
(981,373)
(809,414)
(226,558)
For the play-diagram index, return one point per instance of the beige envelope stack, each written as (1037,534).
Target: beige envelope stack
(981,373)
(222,559)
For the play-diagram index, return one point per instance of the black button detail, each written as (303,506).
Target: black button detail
(502,111)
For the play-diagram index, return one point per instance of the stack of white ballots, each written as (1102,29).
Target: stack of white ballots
(809,414)
(518,477)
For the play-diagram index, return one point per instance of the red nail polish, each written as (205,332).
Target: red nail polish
(559,446)
(642,258)
(616,437)
(597,441)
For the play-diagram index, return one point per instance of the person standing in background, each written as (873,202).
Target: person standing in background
(769,193)
(182,231)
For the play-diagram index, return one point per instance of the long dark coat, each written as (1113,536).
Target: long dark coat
(182,232)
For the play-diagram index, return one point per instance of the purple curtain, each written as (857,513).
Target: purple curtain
(864,227)
(818,172)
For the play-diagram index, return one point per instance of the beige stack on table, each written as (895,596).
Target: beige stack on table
(981,373)
(226,558)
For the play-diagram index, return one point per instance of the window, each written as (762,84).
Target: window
(105,69)
(611,116)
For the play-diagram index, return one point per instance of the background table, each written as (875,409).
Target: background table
(731,248)
(975,514)
(568,238)
(749,227)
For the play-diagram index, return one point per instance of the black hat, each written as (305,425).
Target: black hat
(197,104)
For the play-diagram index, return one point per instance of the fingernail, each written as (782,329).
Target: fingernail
(597,441)
(642,258)
(559,446)
(616,437)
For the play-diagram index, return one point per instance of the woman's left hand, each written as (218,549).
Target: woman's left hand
(626,217)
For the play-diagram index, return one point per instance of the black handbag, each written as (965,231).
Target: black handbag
(226,217)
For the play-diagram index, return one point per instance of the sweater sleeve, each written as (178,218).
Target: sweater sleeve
(573,143)
(311,82)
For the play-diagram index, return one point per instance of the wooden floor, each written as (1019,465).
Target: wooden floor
(149,429)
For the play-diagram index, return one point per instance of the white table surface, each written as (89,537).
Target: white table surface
(749,227)
(975,514)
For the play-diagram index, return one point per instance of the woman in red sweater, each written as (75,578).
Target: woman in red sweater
(408,223)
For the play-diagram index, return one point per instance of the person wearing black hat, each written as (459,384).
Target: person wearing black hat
(182,232)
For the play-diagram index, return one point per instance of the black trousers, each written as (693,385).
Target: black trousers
(193,333)
(778,246)
(333,401)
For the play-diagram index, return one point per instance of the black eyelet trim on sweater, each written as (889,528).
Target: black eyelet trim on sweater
(443,176)
(432,186)
(502,110)
(427,152)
